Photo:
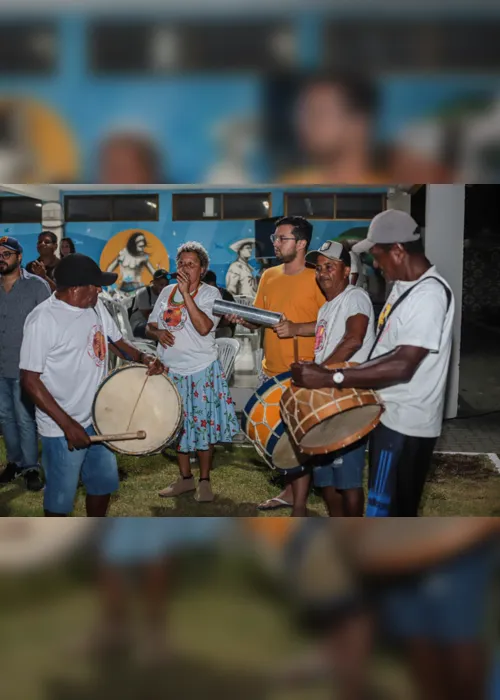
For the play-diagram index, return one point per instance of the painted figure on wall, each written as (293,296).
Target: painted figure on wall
(135,255)
(131,260)
(241,277)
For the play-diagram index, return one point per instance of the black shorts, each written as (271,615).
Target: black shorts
(399,465)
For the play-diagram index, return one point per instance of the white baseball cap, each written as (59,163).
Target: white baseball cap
(390,226)
(330,249)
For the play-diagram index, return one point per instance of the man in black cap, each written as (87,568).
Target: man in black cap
(20,293)
(144,302)
(64,358)
(408,365)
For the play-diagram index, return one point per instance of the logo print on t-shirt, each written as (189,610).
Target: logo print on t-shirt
(320,337)
(97,345)
(383,316)
(174,317)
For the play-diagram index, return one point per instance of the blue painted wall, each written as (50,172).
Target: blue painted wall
(91,237)
(183,109)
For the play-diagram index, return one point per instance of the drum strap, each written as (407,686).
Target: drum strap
(383,324)
(125,355)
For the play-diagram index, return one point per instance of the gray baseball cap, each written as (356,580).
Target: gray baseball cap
(391,226)
(330,249)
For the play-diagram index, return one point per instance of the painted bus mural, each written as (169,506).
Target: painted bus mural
(190,100)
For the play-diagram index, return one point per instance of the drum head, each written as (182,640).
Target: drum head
(31,543)
(341,430)
(158,411)
(286,456)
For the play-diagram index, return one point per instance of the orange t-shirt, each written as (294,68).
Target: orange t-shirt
(300,299)
(275,531)
(314,176)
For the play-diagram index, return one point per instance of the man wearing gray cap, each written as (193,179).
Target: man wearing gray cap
(408,365)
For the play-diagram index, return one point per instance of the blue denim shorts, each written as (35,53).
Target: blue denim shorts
(447,604)
(96,465)
(342,470)
(129,541)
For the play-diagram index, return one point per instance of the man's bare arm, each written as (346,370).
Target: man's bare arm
(351,342)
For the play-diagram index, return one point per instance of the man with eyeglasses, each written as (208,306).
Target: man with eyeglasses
(291,289)
(20,293)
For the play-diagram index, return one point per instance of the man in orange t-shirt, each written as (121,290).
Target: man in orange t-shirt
(290,289)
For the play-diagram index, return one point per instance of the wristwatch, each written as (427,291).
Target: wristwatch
(338,378)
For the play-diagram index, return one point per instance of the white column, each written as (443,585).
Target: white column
(444,246)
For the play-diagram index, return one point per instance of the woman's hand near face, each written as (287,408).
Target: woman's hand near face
(183,282)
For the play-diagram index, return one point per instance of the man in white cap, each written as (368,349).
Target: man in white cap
(408,365)
(240,278)
(344,332)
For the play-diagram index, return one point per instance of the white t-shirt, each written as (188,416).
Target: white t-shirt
(357,268)
(191,352)
(68,347)
(332,320)
(144,299)
(416,408)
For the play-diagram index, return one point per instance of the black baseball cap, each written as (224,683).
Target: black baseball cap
(159,274)
(77,270)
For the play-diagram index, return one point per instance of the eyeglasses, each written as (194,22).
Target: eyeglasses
(6,256)
(279,239)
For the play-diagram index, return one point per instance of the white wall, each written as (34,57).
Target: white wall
(46,193)
(444,246)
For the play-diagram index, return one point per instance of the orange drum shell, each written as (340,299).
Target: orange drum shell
(297,406)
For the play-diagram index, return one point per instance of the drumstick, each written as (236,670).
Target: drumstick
(137,402)
(296,348)
(139,435)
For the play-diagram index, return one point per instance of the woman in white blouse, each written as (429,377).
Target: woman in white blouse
(183,324)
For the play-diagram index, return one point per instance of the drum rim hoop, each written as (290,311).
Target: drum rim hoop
(268,384)
(137,454)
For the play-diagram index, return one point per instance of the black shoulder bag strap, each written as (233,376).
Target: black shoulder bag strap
(403,296)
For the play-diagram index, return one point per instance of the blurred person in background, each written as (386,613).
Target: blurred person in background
(335,120)
(66,247)
(47,261)
(432,581)
(147,547)
(20,293)
(357,278)
(426,584)
(144,302)
(225,329)
(331,608)
(129,158)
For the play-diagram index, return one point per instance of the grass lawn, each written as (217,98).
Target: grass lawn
(467,486)
(226,639)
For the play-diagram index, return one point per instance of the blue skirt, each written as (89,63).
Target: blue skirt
(209,413)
